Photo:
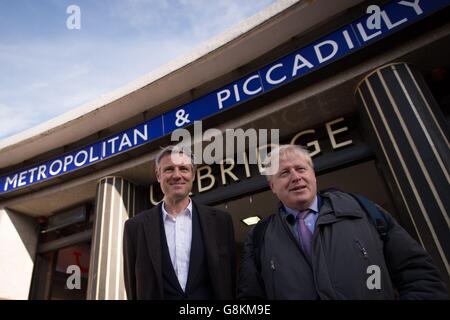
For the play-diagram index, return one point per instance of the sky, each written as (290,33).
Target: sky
(47,69)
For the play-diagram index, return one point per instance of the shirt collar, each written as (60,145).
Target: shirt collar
(187,211)
(314,208)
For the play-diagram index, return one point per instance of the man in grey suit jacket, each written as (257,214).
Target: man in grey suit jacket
(179,249)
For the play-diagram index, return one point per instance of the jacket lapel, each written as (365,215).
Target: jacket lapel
(207,219)
(287,226)
(195,260)
(153,237)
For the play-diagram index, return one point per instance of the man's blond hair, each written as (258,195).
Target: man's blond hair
(271,162)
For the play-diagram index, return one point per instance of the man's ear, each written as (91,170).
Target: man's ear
(157,176)
(271,186)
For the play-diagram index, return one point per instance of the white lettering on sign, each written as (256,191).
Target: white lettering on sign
(222,96)
(59,166)
(11,181)
(332,133)
(414,5)
(318,50)
(348,39)
(207,175)
(245,86)
(22,179)
(41,172)
(140,134)
(80,161)
(269,78)
(32,171)
(77,159)
(300,62)
(125,142)
(67,161)
(92,157)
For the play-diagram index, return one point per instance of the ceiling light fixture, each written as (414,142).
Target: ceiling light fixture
(251,220)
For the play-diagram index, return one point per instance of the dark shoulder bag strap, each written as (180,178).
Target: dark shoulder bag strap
(378,219)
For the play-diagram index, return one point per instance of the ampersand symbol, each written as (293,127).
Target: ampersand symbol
(182,118)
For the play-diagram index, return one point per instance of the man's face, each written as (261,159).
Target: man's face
(295,182)
(175,176)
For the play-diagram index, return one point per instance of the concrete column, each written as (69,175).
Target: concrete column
(18,242)
(411,138)
(115,203)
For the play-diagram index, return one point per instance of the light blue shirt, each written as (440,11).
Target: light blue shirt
(179,237)
(310,219)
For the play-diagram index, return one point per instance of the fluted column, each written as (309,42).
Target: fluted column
(115,203)
(412,140)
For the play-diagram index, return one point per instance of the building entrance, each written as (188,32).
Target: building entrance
(62,262)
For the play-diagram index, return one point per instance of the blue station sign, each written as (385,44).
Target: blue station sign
(393,16)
